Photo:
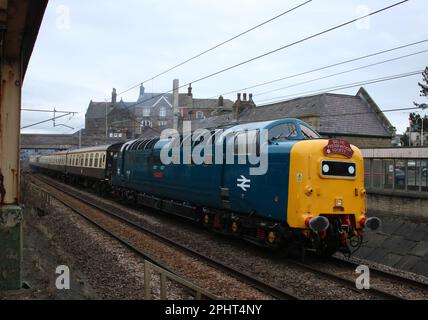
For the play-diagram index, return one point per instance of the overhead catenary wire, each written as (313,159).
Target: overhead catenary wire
(44,121)
(330,89)
(216,46)
(325,67)
(342,87)
(272,51)
(346,86)
(342,72)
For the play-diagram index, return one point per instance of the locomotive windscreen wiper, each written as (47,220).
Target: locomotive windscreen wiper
(281,135)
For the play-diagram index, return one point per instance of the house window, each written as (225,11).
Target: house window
(146,112)
(163,123)
(162,112)
(200,115)
(146,123)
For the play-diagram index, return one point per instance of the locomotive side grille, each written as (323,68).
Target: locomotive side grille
(225,197)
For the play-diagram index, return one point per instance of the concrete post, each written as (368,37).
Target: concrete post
(10,211)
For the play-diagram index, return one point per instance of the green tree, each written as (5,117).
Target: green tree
(415,121)
(424,88)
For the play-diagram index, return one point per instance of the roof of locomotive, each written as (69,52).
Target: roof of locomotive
(261,124)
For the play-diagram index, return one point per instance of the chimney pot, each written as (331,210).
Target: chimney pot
(114,96)
(220,101)
(189,90)
(245,97)
(251,97)
(239,97)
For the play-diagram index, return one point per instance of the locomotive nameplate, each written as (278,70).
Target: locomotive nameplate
(337,146)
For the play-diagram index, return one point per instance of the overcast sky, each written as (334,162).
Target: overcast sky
(85,48)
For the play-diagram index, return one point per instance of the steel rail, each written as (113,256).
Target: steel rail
(385,274)
(115,212)
(373,291)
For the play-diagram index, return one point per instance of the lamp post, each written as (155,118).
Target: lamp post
(106,121)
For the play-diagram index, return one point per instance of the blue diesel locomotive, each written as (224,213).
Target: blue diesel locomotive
(310,195)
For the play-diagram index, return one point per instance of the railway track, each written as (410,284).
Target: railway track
(348,282)
(383,274)
(116,213)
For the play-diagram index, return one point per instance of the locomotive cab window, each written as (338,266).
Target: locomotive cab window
(283,132)
(309,133)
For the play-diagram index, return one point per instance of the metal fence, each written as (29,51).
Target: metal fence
(199,293)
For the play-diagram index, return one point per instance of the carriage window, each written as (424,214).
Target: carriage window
(96,160)
(81,160)
(91,160)
(86,159)
(283,131)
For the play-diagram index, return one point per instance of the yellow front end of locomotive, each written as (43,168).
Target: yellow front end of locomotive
(317,188)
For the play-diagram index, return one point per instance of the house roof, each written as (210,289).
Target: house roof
(211,103)
(338,113)
(149,99)
(98,109)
